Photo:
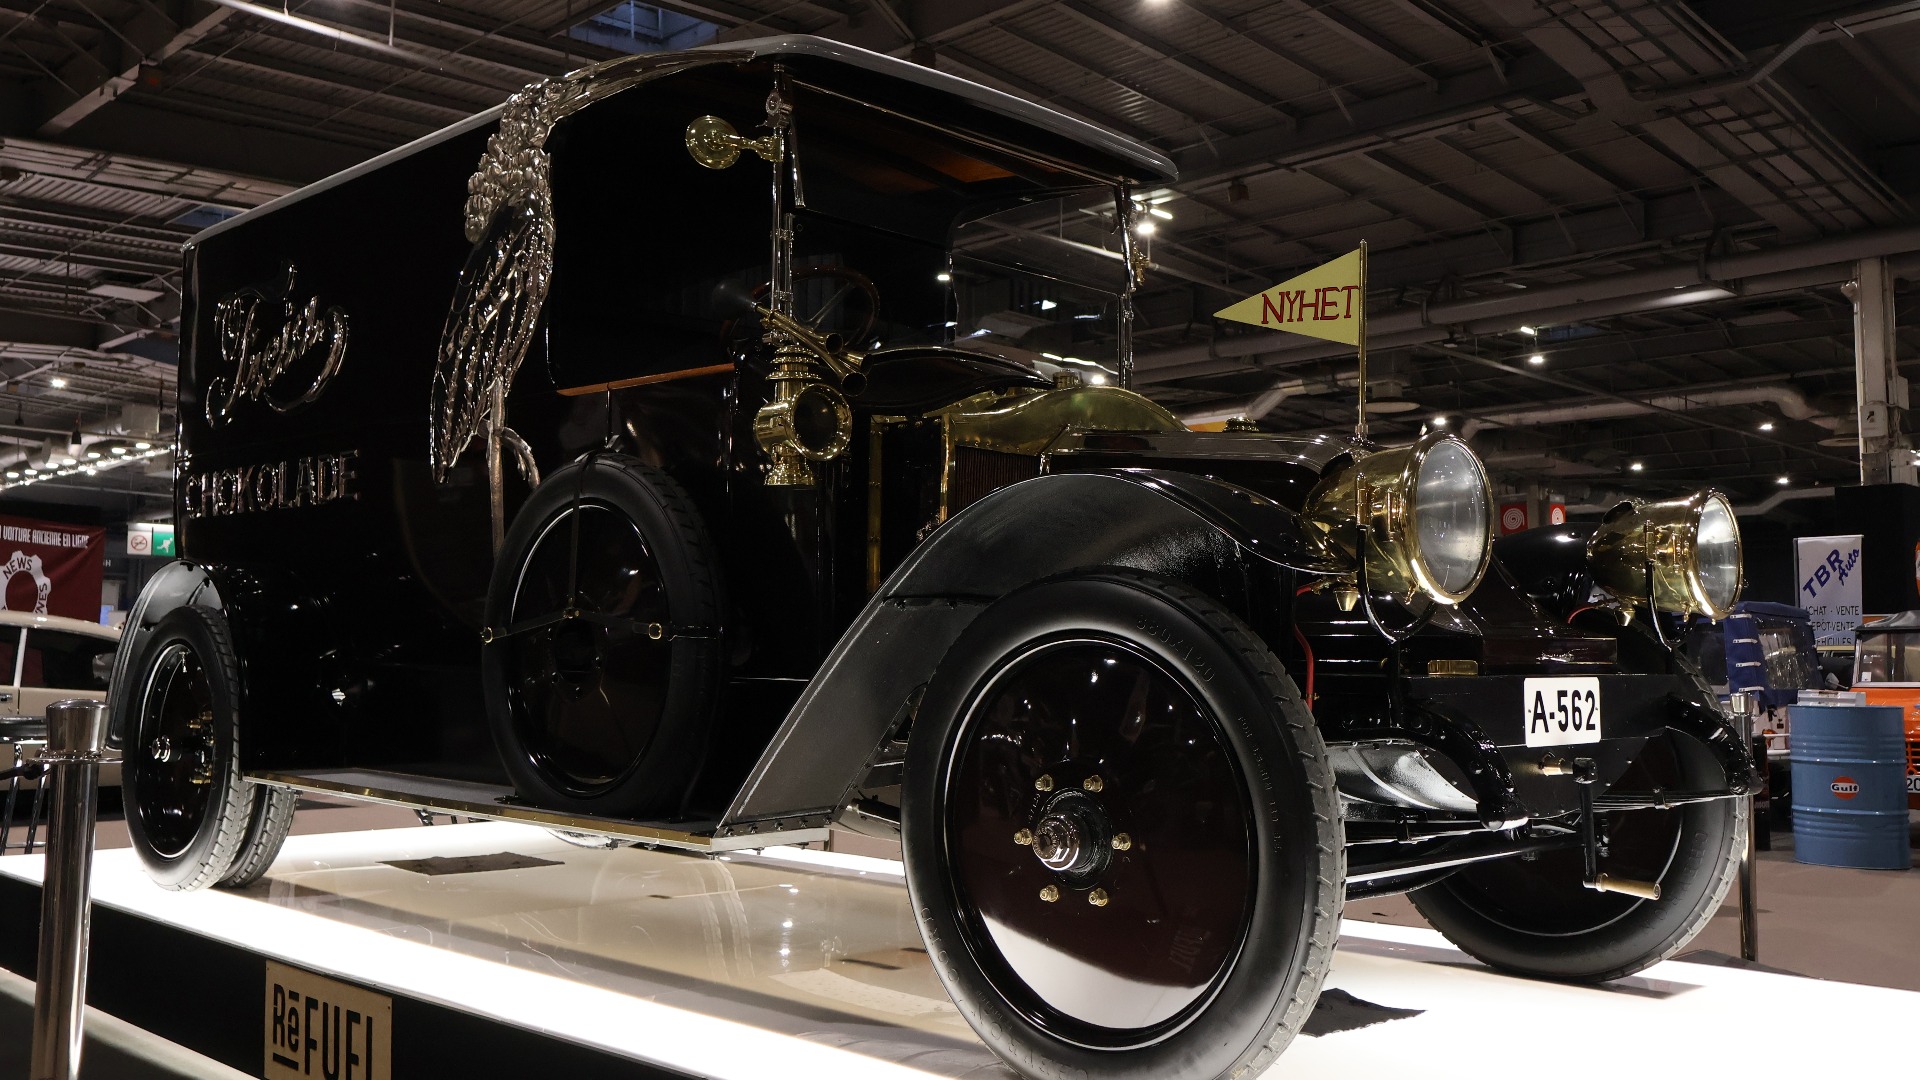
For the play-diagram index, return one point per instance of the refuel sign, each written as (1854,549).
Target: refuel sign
(319,1028)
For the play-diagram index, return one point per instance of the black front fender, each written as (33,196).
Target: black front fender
(1177,525)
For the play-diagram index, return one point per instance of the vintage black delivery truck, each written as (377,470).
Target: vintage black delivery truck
(661,456)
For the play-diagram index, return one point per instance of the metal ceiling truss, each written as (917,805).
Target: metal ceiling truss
(1490,151)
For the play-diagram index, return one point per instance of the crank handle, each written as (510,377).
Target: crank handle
(1645,890)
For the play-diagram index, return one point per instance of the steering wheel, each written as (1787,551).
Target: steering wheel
(822,294)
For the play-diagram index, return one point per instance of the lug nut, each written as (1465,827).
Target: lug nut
(1093,783)
(1024,837)
(1045,783)
(1122,842)
(1098,898)
(1051,893)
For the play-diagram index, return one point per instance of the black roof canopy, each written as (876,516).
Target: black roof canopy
(895,87)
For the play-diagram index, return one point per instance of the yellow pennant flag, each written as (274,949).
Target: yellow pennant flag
(1326,302)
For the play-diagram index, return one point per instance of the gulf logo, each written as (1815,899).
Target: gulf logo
(1844,787)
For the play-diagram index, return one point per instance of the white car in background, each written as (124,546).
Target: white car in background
(43,659)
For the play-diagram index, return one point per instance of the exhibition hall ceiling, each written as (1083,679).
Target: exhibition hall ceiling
(1657,200)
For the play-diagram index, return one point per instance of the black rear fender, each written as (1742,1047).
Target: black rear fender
(176,585)
(282,640)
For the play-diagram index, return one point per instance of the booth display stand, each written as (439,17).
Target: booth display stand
(499,949)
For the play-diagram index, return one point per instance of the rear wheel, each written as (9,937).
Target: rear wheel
(603,665)
(188,809)
(267,829)
(1120,833)
(1536,917)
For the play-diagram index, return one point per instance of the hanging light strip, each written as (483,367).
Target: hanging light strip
(23,475)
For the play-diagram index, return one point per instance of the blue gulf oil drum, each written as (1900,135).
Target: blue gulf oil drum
(1850,786)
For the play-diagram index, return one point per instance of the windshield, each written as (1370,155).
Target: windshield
(1025,292)
(1885,658)
(881,290)
(1787,650)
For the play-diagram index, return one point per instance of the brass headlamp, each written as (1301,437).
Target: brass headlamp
(1682,554)
(1417,515)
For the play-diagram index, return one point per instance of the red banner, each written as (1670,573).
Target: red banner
(51,568)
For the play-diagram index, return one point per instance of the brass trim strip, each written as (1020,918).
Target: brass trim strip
(529,815)
(876,432)
(644,380)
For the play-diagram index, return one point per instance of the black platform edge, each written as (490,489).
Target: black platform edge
(210,997)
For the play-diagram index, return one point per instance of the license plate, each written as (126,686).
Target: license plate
(1561,712)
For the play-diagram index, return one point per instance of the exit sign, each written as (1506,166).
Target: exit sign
(150,538)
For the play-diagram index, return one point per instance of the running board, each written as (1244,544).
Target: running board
(467,799)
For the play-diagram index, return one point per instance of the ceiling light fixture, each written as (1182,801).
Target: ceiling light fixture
(1536,359)
(1145,228)
(1784,481)
(57,383)
(1766,425)
(1163,215)
(1637,467)
(1439,421)
(143,446)
(132,293)
(943,276)
(1530,331)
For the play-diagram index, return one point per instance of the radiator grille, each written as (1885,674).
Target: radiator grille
(978,473)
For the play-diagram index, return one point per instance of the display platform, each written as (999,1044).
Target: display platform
(504,949)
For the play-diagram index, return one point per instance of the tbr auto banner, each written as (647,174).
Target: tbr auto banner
(1829,571)
(51,568)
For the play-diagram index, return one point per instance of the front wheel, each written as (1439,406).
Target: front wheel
(1535,917)
(1120,832)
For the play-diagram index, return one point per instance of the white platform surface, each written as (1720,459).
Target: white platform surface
(801,964)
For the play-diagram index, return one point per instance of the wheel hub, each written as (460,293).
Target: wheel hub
(576,654)
(1073,837)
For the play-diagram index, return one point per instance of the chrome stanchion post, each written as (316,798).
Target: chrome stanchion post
(1742,706)
(76,739)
